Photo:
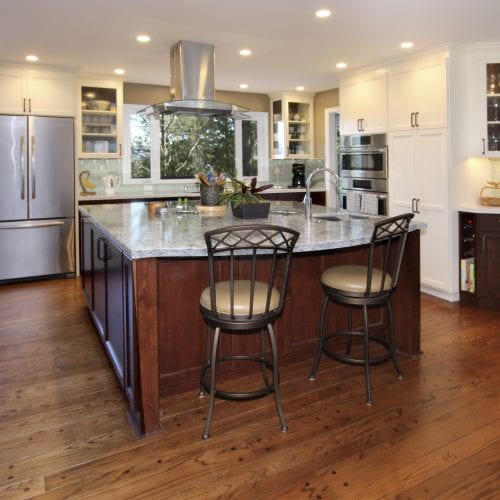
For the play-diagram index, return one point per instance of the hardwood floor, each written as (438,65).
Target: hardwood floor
(64,432)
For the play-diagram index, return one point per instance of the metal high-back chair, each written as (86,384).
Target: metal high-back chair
(248,275)
(366,286)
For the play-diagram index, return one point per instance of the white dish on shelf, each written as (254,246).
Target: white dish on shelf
(101,146)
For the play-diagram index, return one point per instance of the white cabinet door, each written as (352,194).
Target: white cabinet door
(418,95)
(433,207)
(488,144)
(404,174)
(51,94)
(37,93)
(375,104)
(432,92)
(351,96)
(418,182)
(363,104)
(13,90)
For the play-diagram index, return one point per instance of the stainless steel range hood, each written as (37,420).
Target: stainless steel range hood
(192,87)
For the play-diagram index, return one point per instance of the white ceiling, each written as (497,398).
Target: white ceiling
(290,46)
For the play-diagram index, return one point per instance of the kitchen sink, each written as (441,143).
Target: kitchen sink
(330,217)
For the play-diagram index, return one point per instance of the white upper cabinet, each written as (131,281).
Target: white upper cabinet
(292,125)
(30,92)
(489,95)
(363,104)
(418,95)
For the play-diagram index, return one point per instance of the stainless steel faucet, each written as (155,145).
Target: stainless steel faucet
(307,197)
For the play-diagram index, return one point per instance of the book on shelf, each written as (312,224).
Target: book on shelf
(467,275)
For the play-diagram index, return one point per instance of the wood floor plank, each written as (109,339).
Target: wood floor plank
(64,432)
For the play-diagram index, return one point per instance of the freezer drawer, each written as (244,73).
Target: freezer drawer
(36,248)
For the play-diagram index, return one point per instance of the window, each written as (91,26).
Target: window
(173,148)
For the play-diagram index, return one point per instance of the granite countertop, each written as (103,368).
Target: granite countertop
(123,194)
(141,234)
(479,209)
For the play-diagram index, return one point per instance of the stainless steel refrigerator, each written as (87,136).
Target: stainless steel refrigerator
(37,191)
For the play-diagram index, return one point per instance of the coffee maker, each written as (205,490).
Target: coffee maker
(299,176)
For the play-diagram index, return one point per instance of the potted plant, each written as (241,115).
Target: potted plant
(245,200)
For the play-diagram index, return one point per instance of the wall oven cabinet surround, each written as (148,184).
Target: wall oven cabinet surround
(490,108)
(479,246)
(418,95)
(292,126)
(418,183)
(100,119)
(29,92)
(363,104)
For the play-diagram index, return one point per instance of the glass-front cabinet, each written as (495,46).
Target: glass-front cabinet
(292,130)
(100,120)
(491,137)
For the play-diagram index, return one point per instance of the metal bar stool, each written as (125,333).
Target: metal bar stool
(248,274)
(364,287)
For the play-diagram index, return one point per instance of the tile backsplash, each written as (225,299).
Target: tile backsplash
(280,172)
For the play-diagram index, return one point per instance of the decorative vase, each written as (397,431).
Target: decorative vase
(210,195)
(251,210)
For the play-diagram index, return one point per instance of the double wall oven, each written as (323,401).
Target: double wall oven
(363,173)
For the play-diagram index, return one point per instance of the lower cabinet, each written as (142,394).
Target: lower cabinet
(107,284)
(479,246)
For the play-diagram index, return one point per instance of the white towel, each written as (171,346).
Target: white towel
(353,201)
(369,203)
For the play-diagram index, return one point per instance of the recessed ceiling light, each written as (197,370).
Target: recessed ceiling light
(300,88)
(341,65)
(244,86)
(119,71)
(31,58)
(143,38)
(322,13)
(406,45)
(245,52)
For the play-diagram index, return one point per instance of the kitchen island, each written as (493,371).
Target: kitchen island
(143,274)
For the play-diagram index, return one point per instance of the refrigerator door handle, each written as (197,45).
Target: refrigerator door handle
(22,165)
(32,164)
(30,224)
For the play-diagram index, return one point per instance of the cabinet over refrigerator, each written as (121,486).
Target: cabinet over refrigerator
(36,196)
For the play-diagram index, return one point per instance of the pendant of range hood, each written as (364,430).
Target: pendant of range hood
(192,86)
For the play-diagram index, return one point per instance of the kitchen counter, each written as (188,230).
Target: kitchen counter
(479,209)
(141,234)
(143,274)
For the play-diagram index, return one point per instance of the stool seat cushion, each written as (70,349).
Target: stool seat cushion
(351,278)
(241,298)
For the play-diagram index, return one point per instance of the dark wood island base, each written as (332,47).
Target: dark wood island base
(170,332)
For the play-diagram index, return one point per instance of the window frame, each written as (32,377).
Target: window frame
(261,118)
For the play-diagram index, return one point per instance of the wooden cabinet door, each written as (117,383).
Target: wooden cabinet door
(99,282)
(86,245)
(488,260)
(115,339)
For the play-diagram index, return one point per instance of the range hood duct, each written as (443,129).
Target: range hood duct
(192,86)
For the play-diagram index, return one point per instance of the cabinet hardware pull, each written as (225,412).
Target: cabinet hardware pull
(22,165)
(33,170)
(101,240)
(24,104)
(417,205)
(484,243)
(416,119)
(413,203)
(29,105)
(120,149)
(484,145)
(357,125)
(412,116)
(362,126)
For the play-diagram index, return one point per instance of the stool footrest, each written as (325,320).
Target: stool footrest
(343,358)
(238,396)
